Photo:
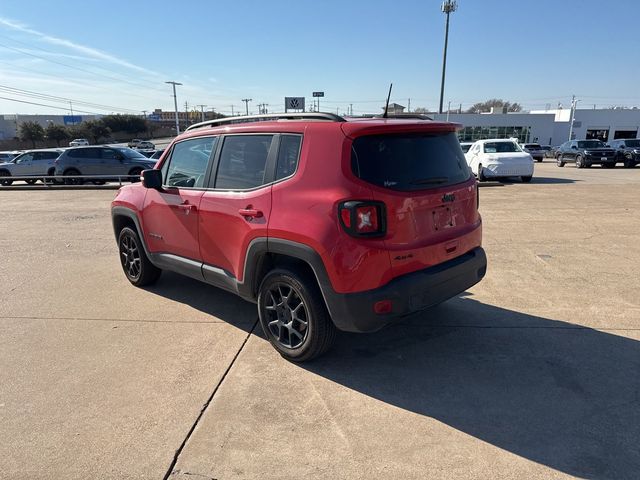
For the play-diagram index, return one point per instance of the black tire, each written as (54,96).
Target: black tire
(526,179)
(135,263)
(72,181)
(481,177)
(560,161)
(580,163)
(135,172)
(629,163)
(539,160)
(31,181)
(4,174)
(300,330)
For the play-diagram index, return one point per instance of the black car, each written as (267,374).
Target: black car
(585,153)
(627,151)
(114,162)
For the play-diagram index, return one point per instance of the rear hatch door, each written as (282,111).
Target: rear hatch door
(429,193)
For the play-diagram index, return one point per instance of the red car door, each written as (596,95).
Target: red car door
(237,209)
(170,217)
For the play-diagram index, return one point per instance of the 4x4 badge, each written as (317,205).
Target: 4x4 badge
(448,197)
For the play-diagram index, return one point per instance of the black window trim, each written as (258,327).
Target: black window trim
(212,155)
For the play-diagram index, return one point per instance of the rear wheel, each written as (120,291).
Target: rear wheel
(481,176)
(135,172)
(72,172)
(3,178)
(293,315)
(135,263)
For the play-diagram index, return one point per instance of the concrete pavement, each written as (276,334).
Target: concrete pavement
(533,373)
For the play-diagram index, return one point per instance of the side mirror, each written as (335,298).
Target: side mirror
(152,179)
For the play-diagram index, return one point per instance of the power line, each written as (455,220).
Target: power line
(43,105)
(44,96)
(76,68)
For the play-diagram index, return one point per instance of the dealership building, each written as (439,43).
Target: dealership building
(548,127)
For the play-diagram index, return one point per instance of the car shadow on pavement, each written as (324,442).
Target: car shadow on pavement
(558,394)
(210,300)
(540,181)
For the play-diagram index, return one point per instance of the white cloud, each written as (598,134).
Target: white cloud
(91,52)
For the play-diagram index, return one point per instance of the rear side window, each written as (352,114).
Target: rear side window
(288,155)
(188,163)
(409,162)
(243,161)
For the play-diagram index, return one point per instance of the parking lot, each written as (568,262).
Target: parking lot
(533,373)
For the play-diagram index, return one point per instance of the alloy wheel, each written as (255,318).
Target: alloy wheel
(130,256)
(287,315)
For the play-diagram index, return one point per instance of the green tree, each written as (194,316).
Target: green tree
(497,103)
(79,131)
(31,132)
(97,130)
(125,123)
(56,132)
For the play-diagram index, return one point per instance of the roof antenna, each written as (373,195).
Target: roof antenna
(386,107)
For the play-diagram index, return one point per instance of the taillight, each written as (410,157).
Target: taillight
(363,218)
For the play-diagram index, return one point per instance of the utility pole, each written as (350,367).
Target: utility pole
(71,107)
(246,103)
(232,114)
(175,105)
(573,115)
(144,112)
(186,114)
(351,109)
(409,106)
(202,110)
(448,110)
(448,6)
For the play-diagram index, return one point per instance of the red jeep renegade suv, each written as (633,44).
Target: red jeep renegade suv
(325,223)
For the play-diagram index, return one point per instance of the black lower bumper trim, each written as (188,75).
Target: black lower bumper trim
(409,293)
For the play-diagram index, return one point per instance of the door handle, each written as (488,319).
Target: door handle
(250,212)
(187,208)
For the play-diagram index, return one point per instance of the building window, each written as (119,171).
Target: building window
(625,134)
(597,134)
(471,134)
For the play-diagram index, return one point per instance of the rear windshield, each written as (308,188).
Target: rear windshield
(409,162)
(127,152)
(501,147)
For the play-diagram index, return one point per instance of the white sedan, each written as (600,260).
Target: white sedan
(498,158)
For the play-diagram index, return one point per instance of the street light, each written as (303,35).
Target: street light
(175,102)
(448,6)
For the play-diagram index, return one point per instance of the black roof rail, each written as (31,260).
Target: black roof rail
(267,117)
(410,116)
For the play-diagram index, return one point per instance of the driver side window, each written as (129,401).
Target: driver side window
(188,162)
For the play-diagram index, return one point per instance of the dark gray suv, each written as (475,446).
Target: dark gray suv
(628,151)
(110,161)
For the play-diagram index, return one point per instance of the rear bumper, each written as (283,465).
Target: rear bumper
(409,293)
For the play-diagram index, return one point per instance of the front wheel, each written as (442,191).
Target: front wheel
(135,263)
(580,162)
(293,315)
(560,161)
(527,178)
(629,163)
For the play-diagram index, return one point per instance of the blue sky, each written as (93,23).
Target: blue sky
(117,55)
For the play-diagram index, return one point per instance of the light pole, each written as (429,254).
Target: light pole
(574,102)
(246,103)
(448,6)
(175,103)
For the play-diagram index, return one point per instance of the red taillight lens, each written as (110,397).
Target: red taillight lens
(363,218)
(383,306)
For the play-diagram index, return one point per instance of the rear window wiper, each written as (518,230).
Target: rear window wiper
(430,181)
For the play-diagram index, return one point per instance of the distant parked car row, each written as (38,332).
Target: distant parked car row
(76,161)
(585,153)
